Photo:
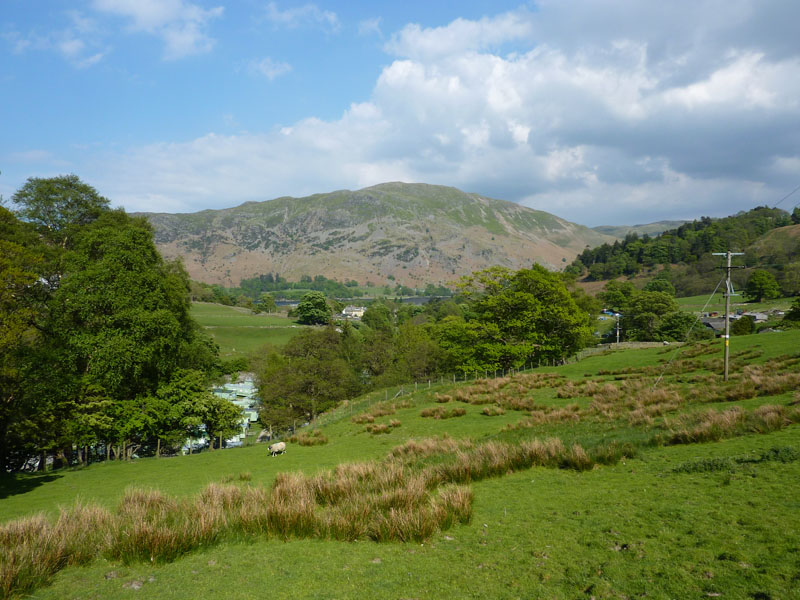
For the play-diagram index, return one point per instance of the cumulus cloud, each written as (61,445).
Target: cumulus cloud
(303,16)
(181,25)
(79,43)
(370,27)
(595,110)
(269,68)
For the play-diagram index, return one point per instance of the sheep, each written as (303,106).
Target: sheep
(277,448)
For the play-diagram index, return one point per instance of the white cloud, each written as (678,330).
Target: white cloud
(674,121)
(303,16)
(181,25)
(78,43)
(370,27)
(269,68)
(460,36)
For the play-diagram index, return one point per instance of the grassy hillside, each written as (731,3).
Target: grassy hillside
(620,231)
(678,492)
(239,332)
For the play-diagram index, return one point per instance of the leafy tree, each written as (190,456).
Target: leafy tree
(57,206)
(681,326)
(20,268)
(267,303)
(660,285)
(793,314)
(796,215)
(744,325)
(642,317)
(760,285)
(313,309)
(222,419)
(617,294)
(310,377)
(524,315)
(378,317)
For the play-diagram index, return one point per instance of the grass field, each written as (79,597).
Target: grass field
(697,507)
(717,303)
(239,332)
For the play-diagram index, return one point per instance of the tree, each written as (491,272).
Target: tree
(761,285)
(681,326)
(310,377)
(642,318)
(266,303)
(744,325)
(793,314)
(378,317)
(660,285)
(313,309)
(57,206)
(796,215)
(524,315)
(20,268)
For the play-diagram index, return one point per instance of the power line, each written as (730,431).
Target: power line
(787,195)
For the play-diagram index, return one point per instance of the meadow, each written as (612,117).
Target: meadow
(240,332)
(634,473)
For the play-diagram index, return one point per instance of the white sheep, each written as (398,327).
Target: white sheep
(277,448)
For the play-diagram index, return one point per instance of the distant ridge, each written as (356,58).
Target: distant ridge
(416,233)
(620,231)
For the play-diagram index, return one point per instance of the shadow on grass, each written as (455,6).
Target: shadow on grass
(20,483)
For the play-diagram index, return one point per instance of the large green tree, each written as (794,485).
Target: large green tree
(313,309)
(761,285)
(104,318)
(523,316)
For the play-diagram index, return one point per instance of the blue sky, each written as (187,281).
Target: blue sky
(599,111)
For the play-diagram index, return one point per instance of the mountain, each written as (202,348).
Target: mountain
(416,233)
(620,231)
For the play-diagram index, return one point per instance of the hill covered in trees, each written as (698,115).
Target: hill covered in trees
(768,237)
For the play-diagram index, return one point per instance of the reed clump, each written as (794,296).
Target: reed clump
(416,449)
(315,437)
(378,428)
(438,412)
(712,425)
(493,411)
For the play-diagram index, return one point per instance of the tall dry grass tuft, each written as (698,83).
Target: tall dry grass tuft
(378,428)
(493,411)
(361,419)
(33,550)
(417,449)
(712,425)
(314,437)
(438,412)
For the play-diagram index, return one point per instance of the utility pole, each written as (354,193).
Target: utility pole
(617,329)
(728,293)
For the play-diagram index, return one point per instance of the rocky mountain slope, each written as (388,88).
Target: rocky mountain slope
(417,233)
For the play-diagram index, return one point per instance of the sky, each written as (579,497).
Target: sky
(598,111)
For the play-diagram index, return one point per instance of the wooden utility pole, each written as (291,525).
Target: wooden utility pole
(728,294)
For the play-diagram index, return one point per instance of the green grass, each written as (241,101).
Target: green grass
(239,332)
(634,528)
(717,304)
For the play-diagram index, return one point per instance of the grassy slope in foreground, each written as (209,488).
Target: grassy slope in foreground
(634,528)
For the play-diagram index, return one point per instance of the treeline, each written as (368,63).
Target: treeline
(98,354)
(690,246)
(251,291)
(499,320)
